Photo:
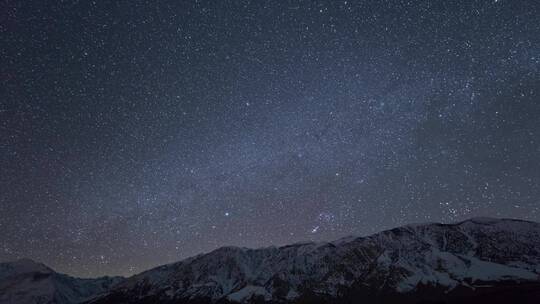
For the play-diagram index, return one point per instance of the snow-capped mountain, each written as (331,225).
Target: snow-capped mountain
(479,260)
(27,282)
(495,259)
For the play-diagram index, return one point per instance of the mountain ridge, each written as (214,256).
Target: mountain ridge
(454,256)
(437,262)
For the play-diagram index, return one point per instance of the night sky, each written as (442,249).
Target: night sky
(137,133)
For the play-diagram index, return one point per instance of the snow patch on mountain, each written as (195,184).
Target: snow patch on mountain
(249,292)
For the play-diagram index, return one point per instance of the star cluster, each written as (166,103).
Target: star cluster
(136,133)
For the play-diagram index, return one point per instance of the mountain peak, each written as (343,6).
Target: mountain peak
(26,281)
(24,265)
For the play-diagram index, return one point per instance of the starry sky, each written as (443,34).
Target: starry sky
(137,133)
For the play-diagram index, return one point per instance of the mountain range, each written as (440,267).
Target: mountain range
(28,282)
(481,260)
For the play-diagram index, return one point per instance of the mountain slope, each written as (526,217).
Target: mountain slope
(27,282)
(491,258)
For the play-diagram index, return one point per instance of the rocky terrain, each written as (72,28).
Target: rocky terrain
(482,259)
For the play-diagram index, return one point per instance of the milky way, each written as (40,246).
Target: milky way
(134,134)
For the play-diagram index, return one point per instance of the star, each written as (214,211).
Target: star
(156,130)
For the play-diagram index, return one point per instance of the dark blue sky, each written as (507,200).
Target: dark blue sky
(136,133)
